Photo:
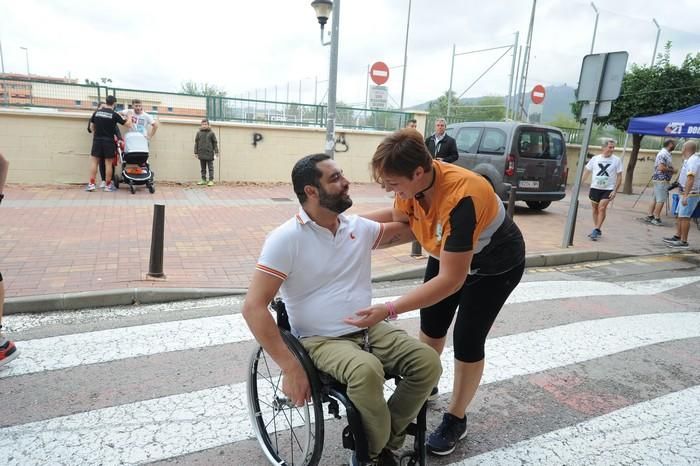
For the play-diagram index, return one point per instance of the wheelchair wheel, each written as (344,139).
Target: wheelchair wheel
(288,435)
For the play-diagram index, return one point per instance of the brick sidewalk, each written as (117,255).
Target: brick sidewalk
(60,239)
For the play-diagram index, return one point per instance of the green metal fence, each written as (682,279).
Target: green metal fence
(64,97)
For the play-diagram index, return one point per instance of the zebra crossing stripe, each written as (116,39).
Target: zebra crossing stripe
(663,431)
(129,342)
(179,424)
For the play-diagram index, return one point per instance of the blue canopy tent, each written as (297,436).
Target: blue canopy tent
(680,124)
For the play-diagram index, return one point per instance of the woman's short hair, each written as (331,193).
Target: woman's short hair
(400,154)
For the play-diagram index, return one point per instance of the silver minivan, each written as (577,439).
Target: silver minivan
(530,157)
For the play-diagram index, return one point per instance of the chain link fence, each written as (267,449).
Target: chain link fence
(67,97)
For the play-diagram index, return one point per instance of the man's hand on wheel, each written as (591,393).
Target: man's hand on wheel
(295,384)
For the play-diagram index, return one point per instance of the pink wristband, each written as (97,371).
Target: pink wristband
(392,310)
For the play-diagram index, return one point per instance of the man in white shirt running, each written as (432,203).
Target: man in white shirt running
(605,170)
(320,261)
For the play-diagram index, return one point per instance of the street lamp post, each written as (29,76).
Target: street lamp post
(656,43)
(595,26)
(26,54)
(323,8)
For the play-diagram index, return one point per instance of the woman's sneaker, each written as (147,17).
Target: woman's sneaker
(8,351)
(671,239)
(656,222)
(90,187)
(678,244)
(103,184)
(443,440)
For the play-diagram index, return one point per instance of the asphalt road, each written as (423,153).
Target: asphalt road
(594,363)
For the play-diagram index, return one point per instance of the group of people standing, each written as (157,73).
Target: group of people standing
(106,136)
(688,184)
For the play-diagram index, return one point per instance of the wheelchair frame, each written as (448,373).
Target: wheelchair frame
(268,406)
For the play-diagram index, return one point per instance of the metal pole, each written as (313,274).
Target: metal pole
(315,90)
(595,26)
(2,59)
(155,265)
(515,110)
(526,59)
(367,88)
(511,201)
(653,56)
(26,54)
(512,76)
(300,91)
(568,239)
(333,81)
(405,55)
(573,207)
(449,92)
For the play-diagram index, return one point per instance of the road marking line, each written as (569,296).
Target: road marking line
(179,424)
(128,342)
(659,431)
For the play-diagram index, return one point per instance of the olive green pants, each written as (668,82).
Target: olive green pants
(393,351)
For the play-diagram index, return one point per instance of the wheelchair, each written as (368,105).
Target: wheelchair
(292,435)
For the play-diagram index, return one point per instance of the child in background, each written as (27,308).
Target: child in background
(206,149)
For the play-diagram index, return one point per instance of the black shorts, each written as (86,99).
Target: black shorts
(103,148)
(596,195)
(480,300)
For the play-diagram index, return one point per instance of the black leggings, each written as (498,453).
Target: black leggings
(480,300)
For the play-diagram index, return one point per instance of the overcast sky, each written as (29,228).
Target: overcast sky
(248,47)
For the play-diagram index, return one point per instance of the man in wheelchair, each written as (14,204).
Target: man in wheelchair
(319,261)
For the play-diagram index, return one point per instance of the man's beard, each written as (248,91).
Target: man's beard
(337,203)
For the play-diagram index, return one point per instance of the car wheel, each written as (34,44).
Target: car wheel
(538,205)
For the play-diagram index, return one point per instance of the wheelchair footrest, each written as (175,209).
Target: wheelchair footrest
(412,429)
(348,439)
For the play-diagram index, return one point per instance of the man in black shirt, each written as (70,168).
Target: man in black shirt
(440,145)
(103,125)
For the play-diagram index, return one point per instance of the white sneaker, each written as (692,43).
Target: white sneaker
(90,187)
(102,184)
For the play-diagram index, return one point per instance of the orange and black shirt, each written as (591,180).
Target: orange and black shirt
(466,215)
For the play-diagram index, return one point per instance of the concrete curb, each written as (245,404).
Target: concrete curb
(118,297)
(534,260)
(127,296)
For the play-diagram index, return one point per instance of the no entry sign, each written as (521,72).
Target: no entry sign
(379,73)
(537,94)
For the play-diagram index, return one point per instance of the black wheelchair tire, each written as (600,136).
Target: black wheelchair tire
(312,455)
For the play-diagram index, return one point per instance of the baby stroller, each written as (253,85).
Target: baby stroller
(134,159)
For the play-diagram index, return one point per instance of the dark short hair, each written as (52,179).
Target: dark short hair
(400,154)
(205,120)
(412,120)
(111,100)
(668,142)
(305,173)
(135,101)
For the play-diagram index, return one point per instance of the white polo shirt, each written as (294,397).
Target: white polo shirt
(691,167)
(326,278)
